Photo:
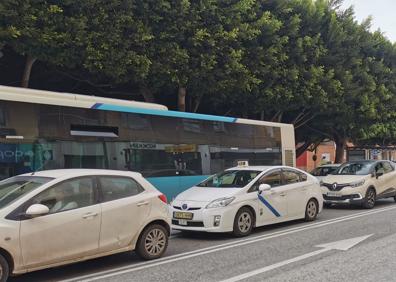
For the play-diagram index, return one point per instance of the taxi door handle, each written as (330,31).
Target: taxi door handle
(90,214)
(142,204)
(282,194)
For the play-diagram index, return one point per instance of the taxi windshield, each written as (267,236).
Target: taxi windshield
(13,188)
(354,168)
(230,179)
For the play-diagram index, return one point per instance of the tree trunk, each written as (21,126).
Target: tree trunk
(340,148)
(181,99)
(196,103)
(28,69)
(300,150)
(147,95)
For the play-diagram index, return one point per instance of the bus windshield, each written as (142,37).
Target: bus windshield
(13,188)
(230,179)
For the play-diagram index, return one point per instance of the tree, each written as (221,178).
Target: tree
(43,31)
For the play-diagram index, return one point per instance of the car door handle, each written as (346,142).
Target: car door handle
(90,214)
(142,204)
(282,194)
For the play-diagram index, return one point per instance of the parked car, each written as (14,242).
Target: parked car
(240,198)
(321,171)
(360,182)
(55,217)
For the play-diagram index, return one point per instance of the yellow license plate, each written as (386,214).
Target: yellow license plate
(183,215)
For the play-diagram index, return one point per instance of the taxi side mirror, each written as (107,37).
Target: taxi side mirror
(379,173)
(264,187)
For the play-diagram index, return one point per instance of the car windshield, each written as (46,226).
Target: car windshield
(13,188)
(230,179)
(323,171)
(354,168)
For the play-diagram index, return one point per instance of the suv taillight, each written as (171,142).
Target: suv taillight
(162,197)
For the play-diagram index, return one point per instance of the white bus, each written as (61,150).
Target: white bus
(174,150)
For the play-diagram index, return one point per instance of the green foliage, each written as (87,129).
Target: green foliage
(304,62)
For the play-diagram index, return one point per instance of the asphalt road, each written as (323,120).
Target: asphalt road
(282,252)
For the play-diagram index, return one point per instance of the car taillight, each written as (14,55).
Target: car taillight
(163,198)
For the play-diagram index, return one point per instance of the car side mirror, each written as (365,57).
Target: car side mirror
(264,187)
(379,173)
(37,210)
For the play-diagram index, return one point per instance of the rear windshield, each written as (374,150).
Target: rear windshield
(230,179)
(323,171)
(13,188)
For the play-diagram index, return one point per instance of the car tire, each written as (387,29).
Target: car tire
(152,242)
(243,222)
(4,269)
(311,210)
(369,199)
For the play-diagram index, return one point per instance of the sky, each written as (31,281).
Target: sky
(383,13)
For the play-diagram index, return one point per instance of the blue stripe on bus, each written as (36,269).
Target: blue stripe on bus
(268,205)
(96,105)
(166,113)
(171,186)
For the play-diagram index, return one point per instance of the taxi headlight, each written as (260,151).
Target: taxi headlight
(219,203)
(357,183)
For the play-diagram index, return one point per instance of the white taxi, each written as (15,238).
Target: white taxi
(240,198)
(55,217)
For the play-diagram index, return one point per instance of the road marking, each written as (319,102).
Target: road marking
(342,245)
(220,247)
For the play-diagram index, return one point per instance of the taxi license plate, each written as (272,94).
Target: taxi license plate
(183,215)
(334,194)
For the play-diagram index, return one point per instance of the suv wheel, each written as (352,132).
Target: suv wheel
(369,199)
(152,242)
(4,269)
(311,210)
(243,222)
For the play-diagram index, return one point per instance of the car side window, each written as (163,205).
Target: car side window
(274,179)
(291,177)
(387,167)
(114,188)
(68,195)
(379,168)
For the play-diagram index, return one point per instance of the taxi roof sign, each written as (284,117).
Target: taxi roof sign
(243,163)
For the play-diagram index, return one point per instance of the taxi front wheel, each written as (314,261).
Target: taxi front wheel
(4,269)
(243,222)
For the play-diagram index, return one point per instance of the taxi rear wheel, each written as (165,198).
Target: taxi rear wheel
(4,269)
(243,222)
(152,242)
(311,210)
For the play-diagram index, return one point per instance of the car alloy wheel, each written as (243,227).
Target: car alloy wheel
(311,210)
(155,242)
(152,242)
(4,269)
(370,198)
(244,222)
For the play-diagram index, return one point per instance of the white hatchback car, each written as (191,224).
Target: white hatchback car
(55,217)
(240,198)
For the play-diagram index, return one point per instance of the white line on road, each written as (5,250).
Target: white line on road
(220,247)
(342,245)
